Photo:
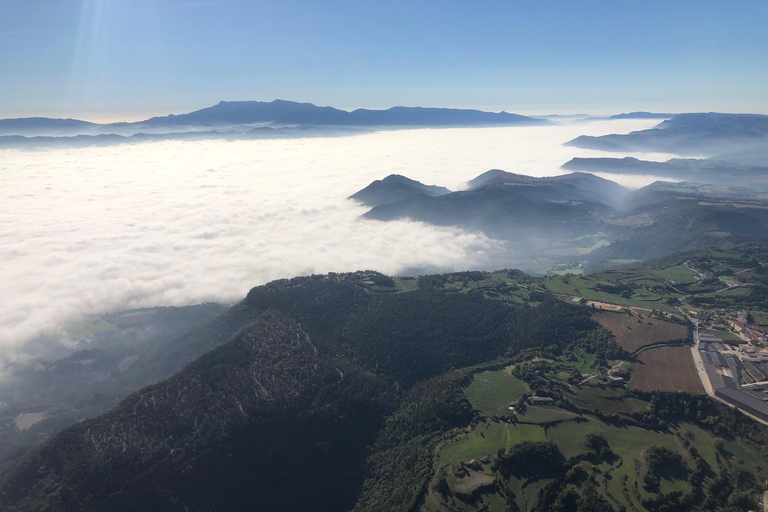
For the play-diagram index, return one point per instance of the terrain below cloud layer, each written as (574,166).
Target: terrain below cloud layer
(173,223)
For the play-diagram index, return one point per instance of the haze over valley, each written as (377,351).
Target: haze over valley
(173,223)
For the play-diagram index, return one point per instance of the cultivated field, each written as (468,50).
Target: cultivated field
(636,331)
(666,369)
(492,392)
(588,287)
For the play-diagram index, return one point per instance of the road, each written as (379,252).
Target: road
(703,374)
(697,357)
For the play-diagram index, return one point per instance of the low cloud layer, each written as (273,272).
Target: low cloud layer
(92,230)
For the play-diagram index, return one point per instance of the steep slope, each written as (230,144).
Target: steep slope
(395,188)
(88,382)
(243,427)
(280,415)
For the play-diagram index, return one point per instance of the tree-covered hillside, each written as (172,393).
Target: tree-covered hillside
(362,392)
(282,413)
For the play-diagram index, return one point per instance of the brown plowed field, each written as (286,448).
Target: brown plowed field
(666,369)
(632,335)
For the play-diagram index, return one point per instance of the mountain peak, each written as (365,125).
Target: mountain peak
(394,189)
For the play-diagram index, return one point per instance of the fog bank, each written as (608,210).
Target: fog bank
(173,223)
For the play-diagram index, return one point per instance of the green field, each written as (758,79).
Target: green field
(491,392)
(587,361)
(406,285)
(724,335)
(598,244)
(519,433)
(628,443)
(735,292)
(620,480)
(678,273)
(724,255)
(564,272)
(761,317)
(607,400)
(585,287)
(485,439)
(541,414)
(137,313)
(90,326)
(620,474)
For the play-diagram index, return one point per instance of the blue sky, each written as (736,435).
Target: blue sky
(111,59)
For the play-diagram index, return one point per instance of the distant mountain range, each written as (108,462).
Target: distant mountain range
(291,113)
(36,126)
(590,117)
(689,134)
(236,133)
(642,115)
(245,119)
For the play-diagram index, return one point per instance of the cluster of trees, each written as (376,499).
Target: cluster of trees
(598,447)
(615,288)
(530,459)
(558,496)
(660,462)
(241,427)
(755,298)
(730,492)
(398,471)
(666,408)
(572,490)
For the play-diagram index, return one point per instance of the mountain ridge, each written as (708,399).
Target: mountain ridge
(277,113)
(714,171)
(395,188)
(693,134)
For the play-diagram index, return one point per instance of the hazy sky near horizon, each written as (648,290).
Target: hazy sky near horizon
(134,58)
(98,229)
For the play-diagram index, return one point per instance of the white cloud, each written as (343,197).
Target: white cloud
(91,230)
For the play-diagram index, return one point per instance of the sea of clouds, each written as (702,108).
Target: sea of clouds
(86,231)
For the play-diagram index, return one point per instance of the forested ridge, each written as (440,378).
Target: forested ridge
(321,384)
(322,392)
